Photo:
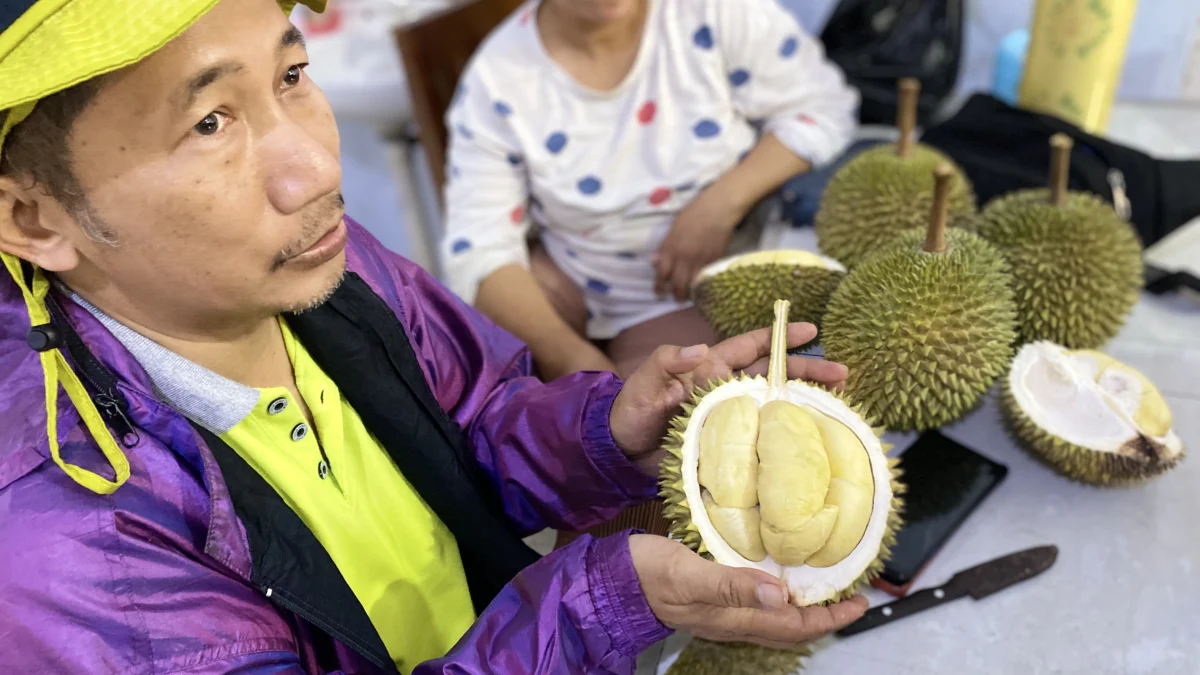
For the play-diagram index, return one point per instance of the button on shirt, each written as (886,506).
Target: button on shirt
(397,556)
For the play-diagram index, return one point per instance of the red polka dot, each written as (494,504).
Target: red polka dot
(647,112)
(660,195)
(527,16)
(518,215)
(807,119)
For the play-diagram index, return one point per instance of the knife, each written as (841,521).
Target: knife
(978,582)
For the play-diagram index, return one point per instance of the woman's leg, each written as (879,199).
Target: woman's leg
(563,294)
(635,344)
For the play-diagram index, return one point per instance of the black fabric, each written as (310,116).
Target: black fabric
(358,341)
(11,10)
(878,42)
(288,559)
(1003,148)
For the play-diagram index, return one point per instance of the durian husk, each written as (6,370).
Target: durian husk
(877,195)
(1081,464)
(704,657)
(925,335)
(739,299)
(1077,268)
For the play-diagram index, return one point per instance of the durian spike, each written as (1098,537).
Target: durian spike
(935,237)
(777,366)
(906,114)
(1060,167)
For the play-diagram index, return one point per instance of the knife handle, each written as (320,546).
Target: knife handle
(898,609)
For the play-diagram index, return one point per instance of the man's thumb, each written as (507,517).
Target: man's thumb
(744,587)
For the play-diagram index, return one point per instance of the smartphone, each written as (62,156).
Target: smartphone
(946,481)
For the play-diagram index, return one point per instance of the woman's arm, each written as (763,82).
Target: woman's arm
(485,250)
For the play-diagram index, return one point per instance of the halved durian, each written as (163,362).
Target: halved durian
(1089,416)
(783,476)
(735,295)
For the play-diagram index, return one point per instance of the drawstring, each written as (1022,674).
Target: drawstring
(46,339)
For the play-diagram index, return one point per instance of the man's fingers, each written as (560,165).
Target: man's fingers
(733,587)
(848,611)
(741,351)
(789,626)
(805,368)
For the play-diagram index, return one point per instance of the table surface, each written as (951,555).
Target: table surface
(1123,597)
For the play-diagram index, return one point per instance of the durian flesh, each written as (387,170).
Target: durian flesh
(785,478)
(1091,417)
(735,295)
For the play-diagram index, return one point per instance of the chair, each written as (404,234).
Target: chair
(435,51)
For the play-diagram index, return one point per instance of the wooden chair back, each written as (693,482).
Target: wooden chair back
(435,52)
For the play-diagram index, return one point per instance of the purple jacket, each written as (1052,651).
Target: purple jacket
(155,577)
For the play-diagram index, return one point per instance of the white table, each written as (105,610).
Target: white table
(1123,597)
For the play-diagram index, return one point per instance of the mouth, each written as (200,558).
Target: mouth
(324,249)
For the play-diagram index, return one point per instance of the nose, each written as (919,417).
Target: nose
(299,168)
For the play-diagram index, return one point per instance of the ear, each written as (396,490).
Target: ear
(32,227)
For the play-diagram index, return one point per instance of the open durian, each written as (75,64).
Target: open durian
(885,191)
(1089,416)
(782,476)
(735,295)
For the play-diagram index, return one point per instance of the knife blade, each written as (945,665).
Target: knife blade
(978,582)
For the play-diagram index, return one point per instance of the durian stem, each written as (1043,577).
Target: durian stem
(906,114)
(777,366)
(1060,167)
(935,237)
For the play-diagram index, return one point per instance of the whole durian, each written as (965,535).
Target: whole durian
(782,476)
(735,295)
(885,191)
(704,657)
(925,326)
(1089,416)
(1076,265)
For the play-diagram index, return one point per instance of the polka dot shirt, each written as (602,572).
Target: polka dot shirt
(601,175)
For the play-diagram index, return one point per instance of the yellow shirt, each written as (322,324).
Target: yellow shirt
(396,555)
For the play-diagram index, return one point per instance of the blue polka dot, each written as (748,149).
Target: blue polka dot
(460,246)
(571,253)
(789,47)
(739,77)
(598,286)
(590,185)
(690,185)
(590,315)
(707,129)
(464,132)
(628,255)
(556,142)
(703,38)
(503,109)
(454,172)
(514,159)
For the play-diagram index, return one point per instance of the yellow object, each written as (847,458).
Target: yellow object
(396,555)
(1076,53)
(53,45)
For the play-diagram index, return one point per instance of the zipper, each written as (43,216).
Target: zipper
(1116,180)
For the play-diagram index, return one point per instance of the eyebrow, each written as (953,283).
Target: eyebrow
(207,77)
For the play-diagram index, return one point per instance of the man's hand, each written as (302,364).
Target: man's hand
(699,235)
(653,393)
(728,604)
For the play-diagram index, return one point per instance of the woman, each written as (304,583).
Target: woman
(628,133)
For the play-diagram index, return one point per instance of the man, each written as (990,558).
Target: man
(279,448)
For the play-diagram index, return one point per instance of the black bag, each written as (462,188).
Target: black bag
(1002,148)
(878,42)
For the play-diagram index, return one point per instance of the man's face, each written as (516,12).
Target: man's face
(214,162)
